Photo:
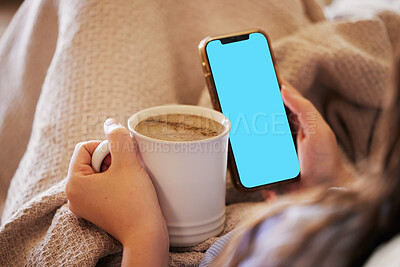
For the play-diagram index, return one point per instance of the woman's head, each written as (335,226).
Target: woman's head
(322,227)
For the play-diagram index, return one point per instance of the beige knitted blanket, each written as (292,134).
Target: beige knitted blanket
(66,66)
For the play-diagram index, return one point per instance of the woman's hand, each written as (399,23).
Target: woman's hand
(316,145)
(122,200)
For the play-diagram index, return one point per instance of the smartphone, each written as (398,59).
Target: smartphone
(244,85)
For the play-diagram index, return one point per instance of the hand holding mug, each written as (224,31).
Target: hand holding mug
(188,174)
(124,194)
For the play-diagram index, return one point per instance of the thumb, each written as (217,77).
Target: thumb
(120,143)
(81,159)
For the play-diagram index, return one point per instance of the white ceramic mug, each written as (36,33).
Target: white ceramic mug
(189,176)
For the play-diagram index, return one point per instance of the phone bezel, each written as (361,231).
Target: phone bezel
(216,104)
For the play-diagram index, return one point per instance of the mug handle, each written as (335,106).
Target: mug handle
(99,154)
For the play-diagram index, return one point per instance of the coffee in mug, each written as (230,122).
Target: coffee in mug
(179,127)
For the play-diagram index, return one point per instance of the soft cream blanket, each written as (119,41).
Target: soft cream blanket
(65,66)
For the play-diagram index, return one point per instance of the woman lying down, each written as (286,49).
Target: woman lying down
(314,226)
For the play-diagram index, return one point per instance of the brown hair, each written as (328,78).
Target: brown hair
(339,227)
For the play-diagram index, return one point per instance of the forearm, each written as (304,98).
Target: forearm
(146,247)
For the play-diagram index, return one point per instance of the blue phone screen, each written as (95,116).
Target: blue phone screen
(249,96)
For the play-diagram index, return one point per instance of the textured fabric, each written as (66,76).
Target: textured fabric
(138,51)
(215,249)
(68,65)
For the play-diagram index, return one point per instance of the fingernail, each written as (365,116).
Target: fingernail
(110,125)
(287,89)
(109,122)
(284,87)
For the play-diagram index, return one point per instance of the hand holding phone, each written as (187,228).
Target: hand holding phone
(317,148)
(242,80)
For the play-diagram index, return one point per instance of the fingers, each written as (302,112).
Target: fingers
(81,159)
(296,102)
(290,87)
(308,116)
(120,142)
(293,118)
(106,163)
(269,195)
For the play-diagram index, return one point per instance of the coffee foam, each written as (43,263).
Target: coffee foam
(179,127)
